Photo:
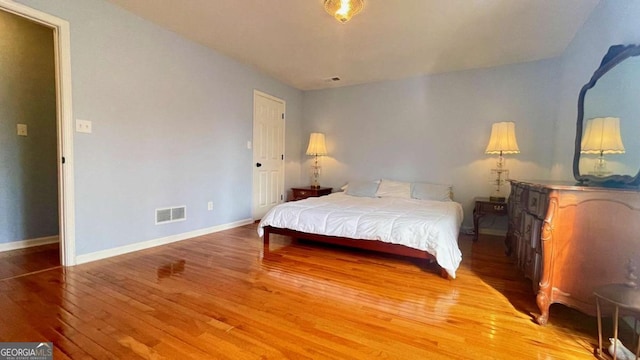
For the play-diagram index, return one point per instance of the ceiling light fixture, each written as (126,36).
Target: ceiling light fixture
(343,10)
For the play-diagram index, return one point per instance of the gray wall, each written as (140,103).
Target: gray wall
(435,128)
(171,120)
(28,167)
(612,22)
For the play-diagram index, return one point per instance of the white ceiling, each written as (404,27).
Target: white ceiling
(297,42)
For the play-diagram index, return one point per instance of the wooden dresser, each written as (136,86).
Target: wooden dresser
(570,239)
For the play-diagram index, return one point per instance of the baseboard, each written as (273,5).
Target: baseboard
(103,254)
(467,230)
(495,232)
(22,244)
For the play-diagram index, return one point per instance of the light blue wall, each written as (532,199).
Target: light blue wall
(435,128)
(171,120)
(612,22)
(28,165)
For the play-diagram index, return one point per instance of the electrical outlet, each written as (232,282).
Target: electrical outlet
(22,129)
(210,205)
(83,126)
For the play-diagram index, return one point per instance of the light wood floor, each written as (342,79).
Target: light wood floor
(218,297)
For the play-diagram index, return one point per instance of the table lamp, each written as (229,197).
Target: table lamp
(602,136)
(316,148)
(502,141)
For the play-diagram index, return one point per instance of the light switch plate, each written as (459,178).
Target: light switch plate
(22,129)
(83,126)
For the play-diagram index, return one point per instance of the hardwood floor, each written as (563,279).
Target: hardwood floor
(25,261)
(218,297)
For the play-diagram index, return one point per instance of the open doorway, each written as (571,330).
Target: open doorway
(28,143)
(36,133)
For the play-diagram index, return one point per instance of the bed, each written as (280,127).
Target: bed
(405,225)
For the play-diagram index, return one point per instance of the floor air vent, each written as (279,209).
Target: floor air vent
(173,214)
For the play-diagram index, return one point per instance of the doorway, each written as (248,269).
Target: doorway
(268,152)
(60,148)
(28,140)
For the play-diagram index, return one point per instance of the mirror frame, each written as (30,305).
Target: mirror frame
(615,55)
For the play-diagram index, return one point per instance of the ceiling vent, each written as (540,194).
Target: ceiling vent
(172,214)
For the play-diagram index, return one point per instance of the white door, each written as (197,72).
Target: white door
(268,153)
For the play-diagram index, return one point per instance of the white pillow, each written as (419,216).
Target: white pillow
(428,191)
(390,188)
(346,186)
(362,188)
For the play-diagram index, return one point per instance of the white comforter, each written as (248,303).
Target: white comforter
(427,225)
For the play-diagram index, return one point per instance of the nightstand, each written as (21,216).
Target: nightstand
(483,207)
(300,193)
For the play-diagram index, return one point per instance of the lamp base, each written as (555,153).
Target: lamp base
(497,198)
(315,186)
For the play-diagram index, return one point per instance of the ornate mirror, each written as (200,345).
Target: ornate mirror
(607,149)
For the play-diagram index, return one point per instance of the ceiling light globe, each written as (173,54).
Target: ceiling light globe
(343,10)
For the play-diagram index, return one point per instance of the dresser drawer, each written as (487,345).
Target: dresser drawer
(515,199)
(301,194)
(537,204)
(488,208)
(533,202)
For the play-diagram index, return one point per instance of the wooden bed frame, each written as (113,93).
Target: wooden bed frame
(373,245)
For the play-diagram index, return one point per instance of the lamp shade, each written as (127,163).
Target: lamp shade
(316,144)
(602,136)
(343,10)
(503,139)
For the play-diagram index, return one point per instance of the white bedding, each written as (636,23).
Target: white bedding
(427,225)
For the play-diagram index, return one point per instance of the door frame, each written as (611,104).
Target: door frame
(284,142)
(64,122)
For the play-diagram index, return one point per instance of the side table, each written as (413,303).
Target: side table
(484,206)
(623,297)
(299,193)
